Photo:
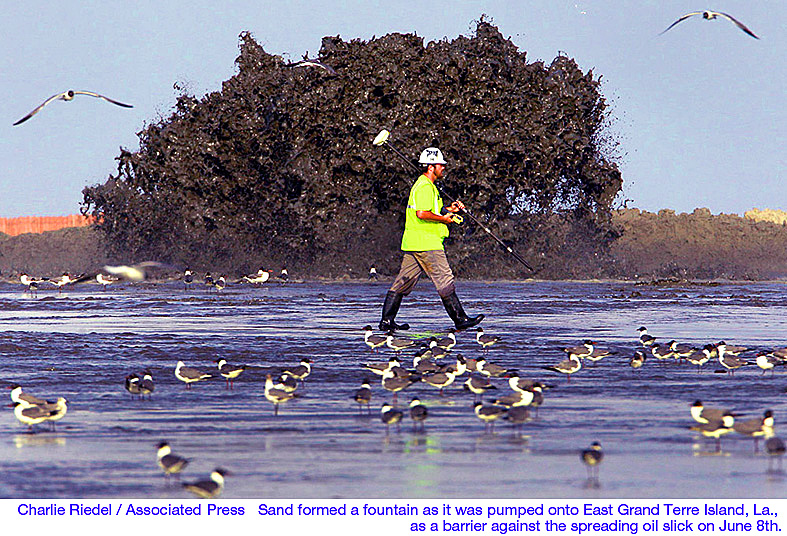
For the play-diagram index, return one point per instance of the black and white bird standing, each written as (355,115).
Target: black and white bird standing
(302,371)
(146,385)
(488,414)
(171,464)
(390,416)
(418,413)
(132,385)
(373,341)
(592,457)
(276,396)
(363,396)
(208,489)
(189,375)
(67,96)
(229,372)
(711,15)
(486,341)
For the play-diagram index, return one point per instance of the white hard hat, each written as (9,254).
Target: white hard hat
(431,155)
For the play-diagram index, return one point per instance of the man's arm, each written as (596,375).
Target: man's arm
(428,215)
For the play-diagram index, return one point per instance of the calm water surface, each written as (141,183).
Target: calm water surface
(81,345)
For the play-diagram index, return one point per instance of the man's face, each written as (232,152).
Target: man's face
(438,170)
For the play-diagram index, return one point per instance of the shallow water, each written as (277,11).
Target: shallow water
(81,345)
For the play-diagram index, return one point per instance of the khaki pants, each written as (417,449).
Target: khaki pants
(434,263)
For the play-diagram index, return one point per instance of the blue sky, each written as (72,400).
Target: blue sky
(699,111)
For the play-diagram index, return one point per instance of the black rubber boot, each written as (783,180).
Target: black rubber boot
(391,306)
(454,308)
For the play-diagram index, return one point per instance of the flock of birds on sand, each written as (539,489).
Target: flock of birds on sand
(139,272)
(514,406)
(312,63)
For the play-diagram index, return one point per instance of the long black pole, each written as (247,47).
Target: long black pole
(508,248)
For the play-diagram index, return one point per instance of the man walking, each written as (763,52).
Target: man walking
(425,229)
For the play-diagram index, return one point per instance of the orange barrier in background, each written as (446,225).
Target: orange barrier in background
(40,224)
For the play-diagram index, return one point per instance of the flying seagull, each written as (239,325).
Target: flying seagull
(710,15)
(67,96)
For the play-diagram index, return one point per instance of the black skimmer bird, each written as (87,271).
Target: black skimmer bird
(488,414)
(32,415)
(716,429)
(146,385)
(637,360)
(67,96)
(775,448)
(644,338)
(592,457)
(440,380)
(209,281)
(391,382)
(767,361)
(489,369)
(229,372)
(729,362)
(286,383)
(567,366)
(711,15)
(373,341)
(583,350)
(132,384)
(135,272)
(478,386)
(486,341)
(390,416)
(363,396)
(105,280)
(276,396)
(302,371)
(31,283)
(397,344)
(208,489)
(418,413)
(259,278)
(382,368)
(189,375)
(756,428)
(171,464)
(188,279)
(372,273)
(284,275)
